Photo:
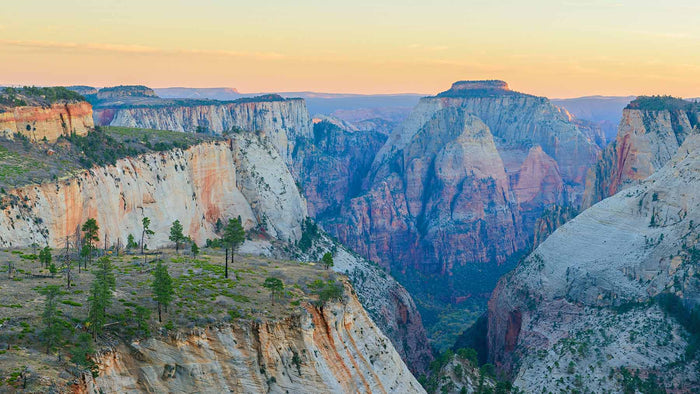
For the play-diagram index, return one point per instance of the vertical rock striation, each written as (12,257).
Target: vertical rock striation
(334,348)
(46,121)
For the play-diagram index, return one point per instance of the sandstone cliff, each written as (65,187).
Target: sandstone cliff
(646,139)
(334,348)
(244,176)
(282,120)
(580,307)
(46,121)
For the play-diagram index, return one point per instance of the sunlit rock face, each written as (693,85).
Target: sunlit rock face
(464,179)
(282,120)
(646,140)
(581,301)
(244,176)
(50,122)
(336,348)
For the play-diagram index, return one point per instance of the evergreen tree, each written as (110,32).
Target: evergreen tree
(195,249)
(146,232)
(45,257)
(90,237)
(327,260)
(130,242)
(101,295)
(275,286)
(51,334)
(162,288)
(233,238)
(176,235)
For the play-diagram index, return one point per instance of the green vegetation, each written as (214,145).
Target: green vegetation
(689,319)
(162,288)
(661,103)
(275,286)
(101,295)
(327,260)
(52,332)
(176,235)
(45,95)
(234,236)
(309,234)
(90,237)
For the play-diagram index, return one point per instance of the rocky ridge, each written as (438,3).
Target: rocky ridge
(647,138)
(563,319)
(335,348)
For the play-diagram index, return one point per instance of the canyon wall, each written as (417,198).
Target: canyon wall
(334,348)
(282,120)
(243,176)
(582,305)
(646,140)
(48,121)
(464,179)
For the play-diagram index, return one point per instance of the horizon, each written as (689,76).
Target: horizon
(548,48)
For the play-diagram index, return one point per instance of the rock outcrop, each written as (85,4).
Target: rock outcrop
(243,176)
(647,137)
(332,165)
(334,348)
(581,307)
(463,180)
(48,121)
(282,120)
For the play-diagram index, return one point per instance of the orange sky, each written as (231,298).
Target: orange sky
(551,48)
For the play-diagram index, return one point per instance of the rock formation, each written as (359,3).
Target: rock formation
(244,176)
(332,165)
(336,348)
(648,136)
(461,184)
(580,308)
(37,117)
(282,120)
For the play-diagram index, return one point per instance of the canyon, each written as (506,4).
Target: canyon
(597,314)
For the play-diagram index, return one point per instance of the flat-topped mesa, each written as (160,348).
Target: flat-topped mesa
(125,91)
(43,113)
(477,88)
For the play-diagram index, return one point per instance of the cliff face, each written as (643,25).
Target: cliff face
(52,121)
(336,348)
(244,176)
(283,120)
(464,179)
(332,165)
(646,140)
(590,311)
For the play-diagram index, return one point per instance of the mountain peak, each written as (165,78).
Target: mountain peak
(481,88)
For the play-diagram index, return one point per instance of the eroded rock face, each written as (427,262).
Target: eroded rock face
(50,122)
(332,165)
(336,348)
(464,179)
(580,301)
(244,176)
(282,120)
(646,140)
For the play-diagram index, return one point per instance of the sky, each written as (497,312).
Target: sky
(562,48)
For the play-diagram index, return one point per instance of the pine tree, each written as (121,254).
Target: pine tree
(45,257)
(275,286)
(195,249)
(146,232)
(130,242)
(327,260)
(90,237)
(51,334)
(176,235)
(233,238)
(162,288)
(101,295)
